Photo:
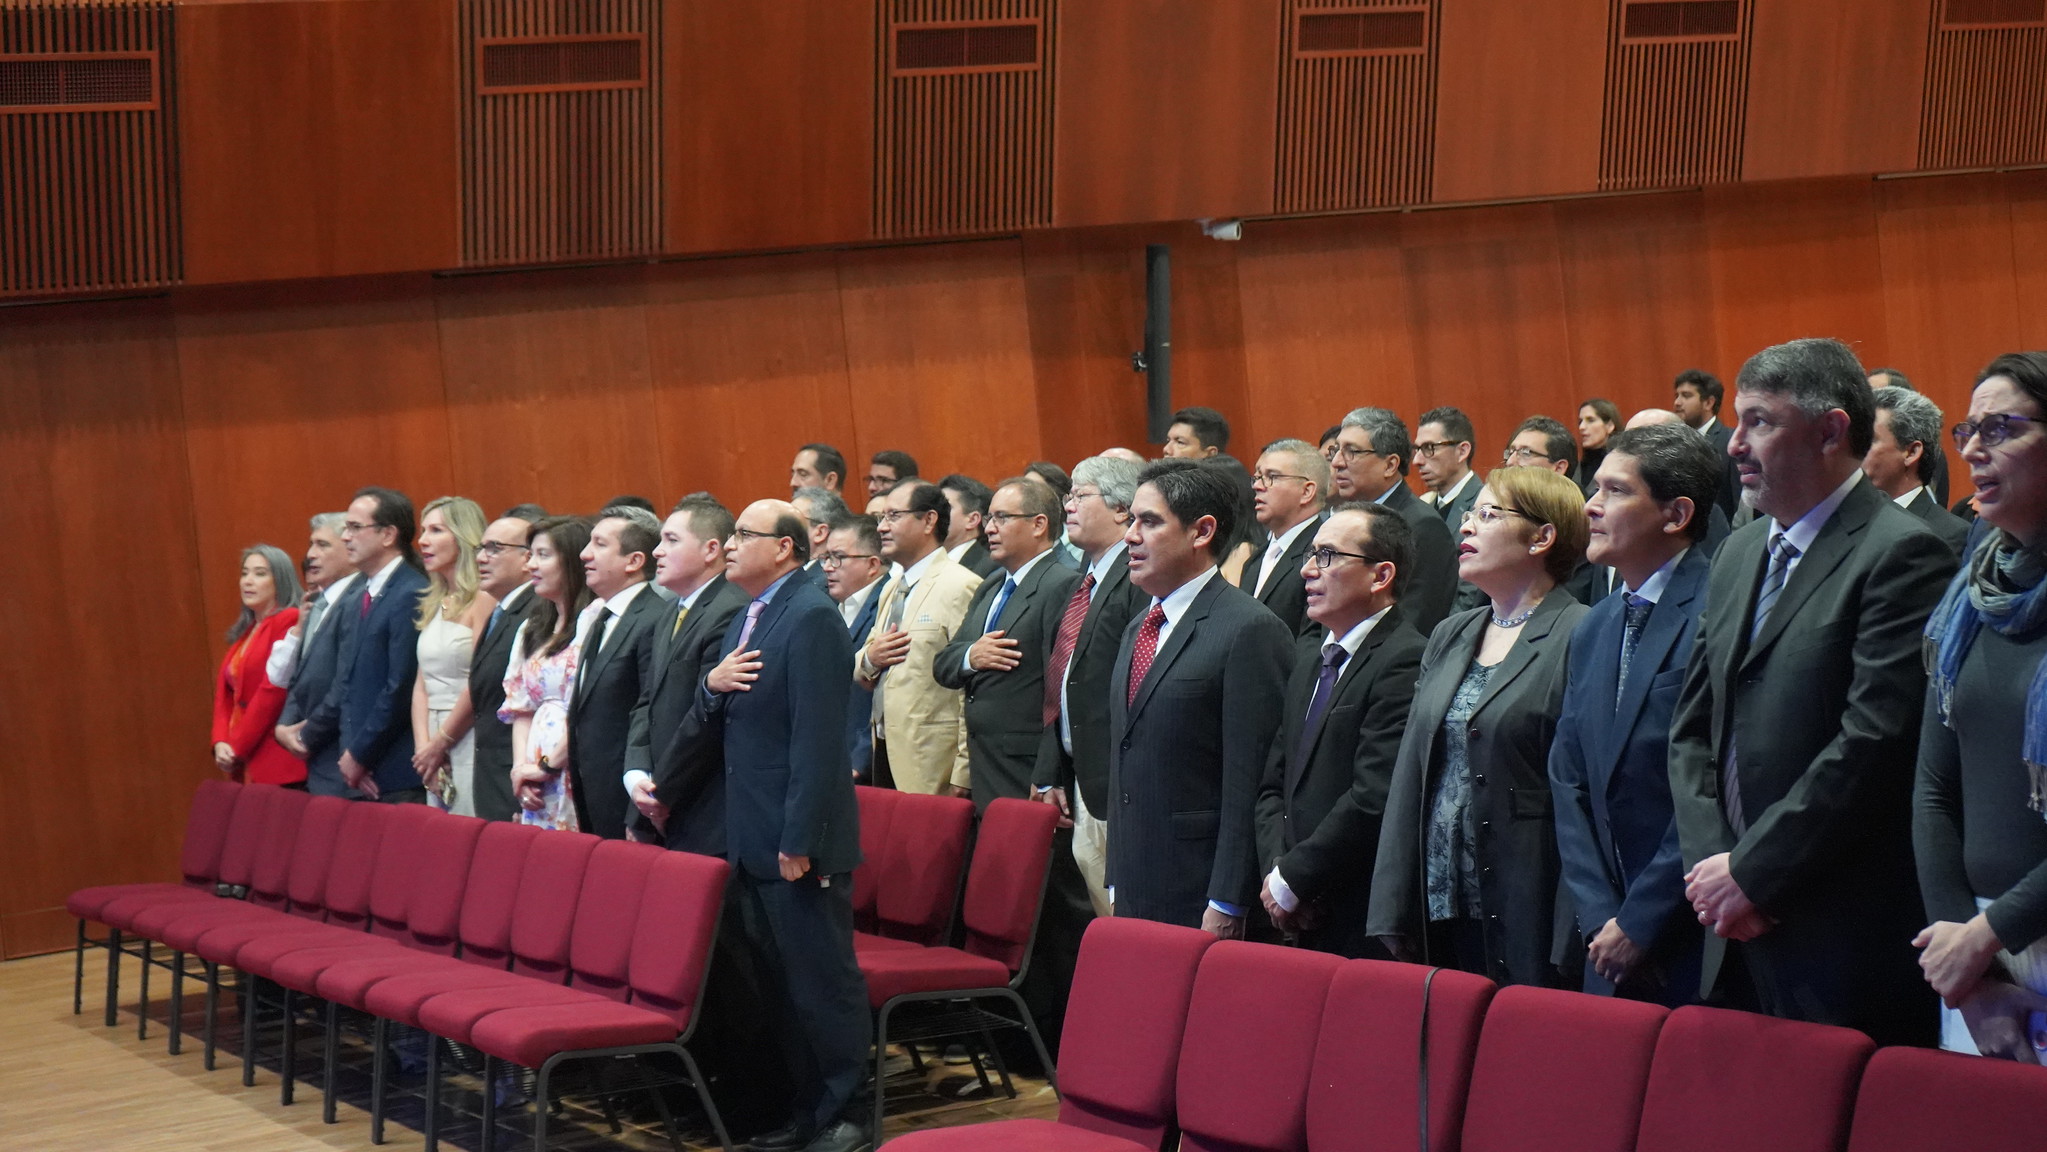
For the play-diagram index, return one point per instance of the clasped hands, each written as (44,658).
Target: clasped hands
(1720,902)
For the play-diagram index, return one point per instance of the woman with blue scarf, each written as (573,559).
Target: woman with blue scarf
(1980,811)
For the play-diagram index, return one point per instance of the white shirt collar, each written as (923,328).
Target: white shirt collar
(1355,638)
(522,589)
(623,599)
(1451,494)
(915,572)
(1281,542)
(1029,564)
(958,551)
(375,587)
(1652,588)
(690,601)
(1180,599)
(1907,498)
(1807,529)
(1100,568)
(850,607)
(332,592)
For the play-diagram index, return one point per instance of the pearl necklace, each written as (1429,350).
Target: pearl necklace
(1515,621)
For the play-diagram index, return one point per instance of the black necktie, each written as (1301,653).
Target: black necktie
(1631,633)
(593,643)
(1333,656)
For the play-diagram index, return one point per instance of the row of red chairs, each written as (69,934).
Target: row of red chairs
(1236,1047)
(525,945)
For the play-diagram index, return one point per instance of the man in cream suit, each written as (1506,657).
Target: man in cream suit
(920,732)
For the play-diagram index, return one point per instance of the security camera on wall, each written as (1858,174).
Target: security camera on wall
(1155,360)
(1231,229)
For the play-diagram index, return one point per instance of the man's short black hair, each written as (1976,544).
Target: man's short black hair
(1392,539)
(1561,445)
(829,459)
(1208,424)
(973,494)
(928,497)
(1456,425)
(1053,475)
(394,510)
(530,513)
(863,528)
(1192,491)
(902,463)
(1707,385)
(629,501)
(706,517)
(1819,374)
(1674,461)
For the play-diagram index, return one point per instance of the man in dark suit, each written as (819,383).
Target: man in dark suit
(305,660)
(1609,764)
(1937,481)
(1444,451)
(821,508)
(1793,745)
(674,769)
(963,540)
(1289,487)
(1372,455)
(1902,450)
(792,826)
(1696,397)
(501,568)
(853,569)
(1073,754)
(1326,777)
(369,707)
(614,664)
(1193,706)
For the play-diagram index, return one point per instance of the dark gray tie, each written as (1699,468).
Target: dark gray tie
(1781,557)
(316,608)
(1631,634)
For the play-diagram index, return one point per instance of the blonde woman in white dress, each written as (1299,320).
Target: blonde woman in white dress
(452,613)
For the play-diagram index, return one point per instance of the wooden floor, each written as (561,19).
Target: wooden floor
(70,1083)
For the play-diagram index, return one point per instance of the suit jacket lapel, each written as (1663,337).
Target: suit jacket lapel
(1353,669)
(1659,636)
(1295,555)
(1183,630)
(1829,549)
(1111,585)
(1026,592)
(1534,635)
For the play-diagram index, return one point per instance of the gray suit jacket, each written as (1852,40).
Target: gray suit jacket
(319,661)
(1949,527)
(1285,592)
(1186,755)
(1006,710)
(1433,584)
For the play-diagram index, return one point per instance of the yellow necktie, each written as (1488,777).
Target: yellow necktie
(679,618)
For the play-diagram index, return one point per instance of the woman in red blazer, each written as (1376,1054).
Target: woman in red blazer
(245,703)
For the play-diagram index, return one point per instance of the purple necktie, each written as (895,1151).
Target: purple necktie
(753,616)
(1333,655)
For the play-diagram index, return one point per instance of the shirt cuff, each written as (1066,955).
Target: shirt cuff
(1282,895)
(1227,909)
(1042,789)
(967,661)
(634,777)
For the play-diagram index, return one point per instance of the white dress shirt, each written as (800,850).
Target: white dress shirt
(618,603)
(283,665)
(1275,550)
(967,661)
(1807,529)
(849,609)
(1100,571)
(1905,501)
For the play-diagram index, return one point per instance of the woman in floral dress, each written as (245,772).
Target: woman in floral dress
(541,676)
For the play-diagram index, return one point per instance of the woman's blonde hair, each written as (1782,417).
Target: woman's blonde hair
(466,524)
(1547,497)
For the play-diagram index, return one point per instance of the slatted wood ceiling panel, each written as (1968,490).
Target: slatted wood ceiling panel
(88,199)
(965,148)
(1674,103)
(1357,112)
(570,168)
(1986,86)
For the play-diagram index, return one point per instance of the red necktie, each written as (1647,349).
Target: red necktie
(365,602)
(1146,648)
(1062,647)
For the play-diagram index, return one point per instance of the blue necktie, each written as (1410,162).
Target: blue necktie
(1631,632)
(995,608)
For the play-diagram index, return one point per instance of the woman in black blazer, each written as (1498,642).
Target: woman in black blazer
(1467,875)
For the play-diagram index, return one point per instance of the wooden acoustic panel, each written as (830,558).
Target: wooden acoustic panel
(1834,88)
(1518,90)
(1167,110)
(1357,104)
(1986,85)
(963,115)
(88,147)
(1676,78)
(561,130)
(1084,289)
(319,139)
(769,123)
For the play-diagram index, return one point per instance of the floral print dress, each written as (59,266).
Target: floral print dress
(539,688)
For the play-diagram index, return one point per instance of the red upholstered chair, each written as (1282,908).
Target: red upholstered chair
(877,812)
(1249,1047)
(670,956)
(1914,1100)
(1560,1072)
(918,883)
(206,828)
(1725,1079)
(1005,889)
(1366,1086)
(1124,1022)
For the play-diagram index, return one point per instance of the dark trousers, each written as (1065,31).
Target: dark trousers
(741,1002)
(877,772)
(402,796)
(805,944)
(1061,923)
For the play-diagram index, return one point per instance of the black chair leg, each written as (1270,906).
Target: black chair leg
(249,1009)
(880,1063)
(78,972)
(177,1021)
(287,1059)
(1023,1013)
(1001,1065)
(142,1010)
(696,1077)
(490,1102)
(604,1098)
(212,1010)
(433,1093)
(332,1053)
(379,1034)
(113,972)
(540,1107)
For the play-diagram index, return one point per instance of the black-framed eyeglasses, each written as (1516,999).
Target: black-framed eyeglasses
(1522,455)
(1001,519)
(1428,449)
(495,547)
(1268,479)
(1493,514)
(350,528)
(1325,556)
(892,515)
(838,559)
(879,481)
(744,534)
(1350,452)
(1993,429)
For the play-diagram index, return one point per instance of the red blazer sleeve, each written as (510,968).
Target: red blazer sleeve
(223,698)
(262,702)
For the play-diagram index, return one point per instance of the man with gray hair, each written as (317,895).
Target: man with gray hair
(1902,453)
(330,580)
(1796,733)
(1373,452)
(820,508)
(1290,487)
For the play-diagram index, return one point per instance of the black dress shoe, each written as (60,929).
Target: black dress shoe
(790,1137)
(840,1136)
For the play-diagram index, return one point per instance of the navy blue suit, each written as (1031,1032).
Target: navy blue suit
(789,791)
(372,696)
(1609,769)
(860,699)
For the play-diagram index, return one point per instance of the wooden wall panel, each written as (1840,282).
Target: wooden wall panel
(1795,259)
(2026,193)
(318,139)
(290,406)
(1637,297)
(1166,110)
(548,386)
(1327,325)
(1085,293)
(770,123)
(739,347)
(1518,89)
(938,354)
(1948,279)
(1208,333)
(1834,87)
(108,720)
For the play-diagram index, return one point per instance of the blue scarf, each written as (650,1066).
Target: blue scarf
(2004,586)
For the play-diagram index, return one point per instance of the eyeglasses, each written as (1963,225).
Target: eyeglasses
(1524,455)
(744,534)
(880,481)
(494,547)
(1993,429)
(838,559)
(1001,519)
(1268,479)
(350,528)
(1493,514)
(1429,449)
(893,515)
(1325,556)
(1350,452)
(1077,495)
